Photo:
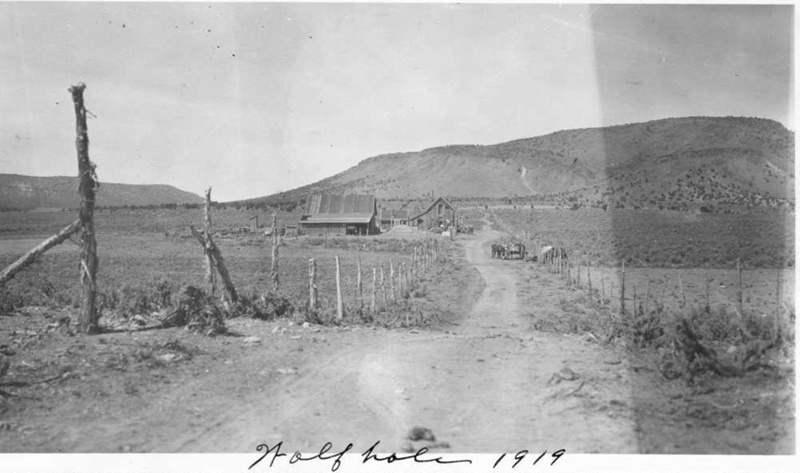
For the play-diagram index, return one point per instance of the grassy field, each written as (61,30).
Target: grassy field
(656,238)
(148,255)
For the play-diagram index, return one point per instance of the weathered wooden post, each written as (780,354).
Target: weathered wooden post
(210,248)
(708,293)
(622,291)
(406,278)
(275,243)
(401,279)
(647,295)
(372,304)
(414,266)
(635,309)
(383,289)
(312,284)
(602,289)
(778,309)
(589,280)
(88,317)
(359,289)
(739,297)
(391,280)
(683,295)
(339,306)
(211,275)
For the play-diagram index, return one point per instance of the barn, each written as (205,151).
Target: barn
(332,214)
(439,215)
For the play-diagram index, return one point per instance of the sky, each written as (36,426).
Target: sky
(253,99)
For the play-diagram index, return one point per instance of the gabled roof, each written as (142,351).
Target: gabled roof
(334,208)
(430,207)
(340,204)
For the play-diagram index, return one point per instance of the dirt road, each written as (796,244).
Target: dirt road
(487,385)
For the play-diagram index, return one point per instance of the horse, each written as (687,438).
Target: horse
(498,251)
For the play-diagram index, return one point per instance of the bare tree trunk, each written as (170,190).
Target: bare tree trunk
(219,263)
(33,254)
(275,242)
(89,317)
(312,284)
(211,276)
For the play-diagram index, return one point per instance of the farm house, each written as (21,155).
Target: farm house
(393,217)
(440,214)
(330,214)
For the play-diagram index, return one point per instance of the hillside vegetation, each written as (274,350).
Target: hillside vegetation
(19,192)
(676,163)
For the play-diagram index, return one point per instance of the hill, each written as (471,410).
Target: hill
(29,192)
(681,163)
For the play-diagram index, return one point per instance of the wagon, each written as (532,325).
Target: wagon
(514,251)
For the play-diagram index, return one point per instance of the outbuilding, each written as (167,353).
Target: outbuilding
(334,214)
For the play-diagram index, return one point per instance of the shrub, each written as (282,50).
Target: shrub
(192,308)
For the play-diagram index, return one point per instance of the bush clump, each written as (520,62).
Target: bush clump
(193,309)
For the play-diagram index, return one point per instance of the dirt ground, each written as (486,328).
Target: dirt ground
(489,383)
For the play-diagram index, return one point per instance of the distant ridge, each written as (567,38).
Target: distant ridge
(18,192)
(679,163)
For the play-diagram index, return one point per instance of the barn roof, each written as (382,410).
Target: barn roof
(336,208)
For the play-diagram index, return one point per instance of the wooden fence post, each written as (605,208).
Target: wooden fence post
(88,317)
(708,293)
(401,278)
(391,280)
(359,288)
(414,266)
(372,301)
(589,280)
(602,289)
(275,243)
(778,309)
(647,295)
(211,275)
(312,284)
(383,289)
(622,291)
(578,282)
(339,306)
(739,298)
(219,263)
(683,295)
